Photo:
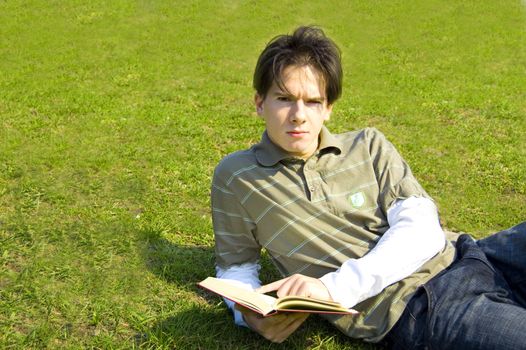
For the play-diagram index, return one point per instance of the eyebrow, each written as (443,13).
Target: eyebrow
(279,93)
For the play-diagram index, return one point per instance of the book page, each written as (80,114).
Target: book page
(298,303)
(258,302)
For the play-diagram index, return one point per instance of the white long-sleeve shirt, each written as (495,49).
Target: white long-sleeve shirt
(414,236)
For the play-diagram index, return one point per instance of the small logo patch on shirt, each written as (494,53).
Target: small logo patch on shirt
(357,199)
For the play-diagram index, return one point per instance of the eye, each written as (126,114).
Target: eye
(283,98)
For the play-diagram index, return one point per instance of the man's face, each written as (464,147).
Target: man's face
(294,117)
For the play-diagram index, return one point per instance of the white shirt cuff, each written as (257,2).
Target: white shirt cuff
(245,276)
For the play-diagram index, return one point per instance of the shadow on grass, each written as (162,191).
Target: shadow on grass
(183,265)
(186,264)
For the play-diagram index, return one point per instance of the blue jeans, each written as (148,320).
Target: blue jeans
(479,302)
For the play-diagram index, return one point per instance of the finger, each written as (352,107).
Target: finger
(272,286)
(294,317)
(282,331)
(294,285)
(295,321)
(297,287)
(288,321)
(269,327)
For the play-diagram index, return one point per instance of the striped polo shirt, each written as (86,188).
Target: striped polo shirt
(312,215)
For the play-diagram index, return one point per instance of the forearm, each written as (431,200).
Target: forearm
(414,237)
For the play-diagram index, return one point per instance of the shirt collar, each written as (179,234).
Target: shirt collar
(269,154)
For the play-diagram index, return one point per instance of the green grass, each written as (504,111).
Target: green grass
(114,114)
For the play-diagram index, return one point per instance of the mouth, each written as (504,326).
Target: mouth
(296,133)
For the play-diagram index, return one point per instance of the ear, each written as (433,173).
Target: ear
(258,101)
(328,112)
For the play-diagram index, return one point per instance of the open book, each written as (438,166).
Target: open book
(267,305)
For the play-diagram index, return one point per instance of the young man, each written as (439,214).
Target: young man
(343,219)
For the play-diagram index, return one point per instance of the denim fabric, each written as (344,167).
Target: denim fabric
(477,303)
(507,252)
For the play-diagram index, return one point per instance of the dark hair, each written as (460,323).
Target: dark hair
(307,46)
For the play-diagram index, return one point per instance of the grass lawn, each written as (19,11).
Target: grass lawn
(113,115)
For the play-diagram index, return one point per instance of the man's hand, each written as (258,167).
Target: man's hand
(275,328)
(298,285)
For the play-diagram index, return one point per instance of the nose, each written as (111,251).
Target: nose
(297,115)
